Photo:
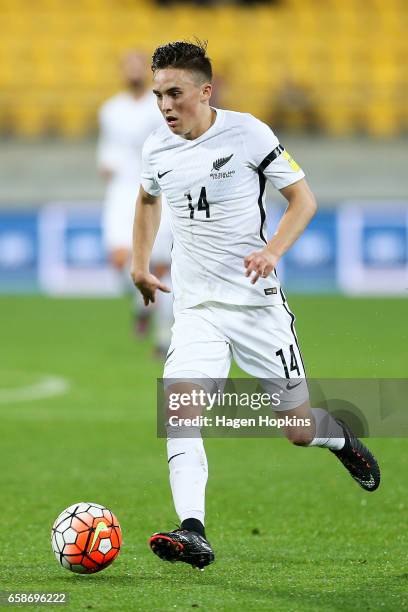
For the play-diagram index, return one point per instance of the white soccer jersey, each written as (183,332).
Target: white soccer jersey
(214,186)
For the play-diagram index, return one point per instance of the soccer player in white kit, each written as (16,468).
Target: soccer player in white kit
(212,166)
(126,120)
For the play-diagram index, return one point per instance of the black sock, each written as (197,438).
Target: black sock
(192,524)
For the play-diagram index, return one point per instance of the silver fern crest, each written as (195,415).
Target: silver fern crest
(219,163)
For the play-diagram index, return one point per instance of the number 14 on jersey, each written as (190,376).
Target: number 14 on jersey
(201,205)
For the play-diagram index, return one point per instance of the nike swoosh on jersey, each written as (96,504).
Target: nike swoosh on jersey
(163,173)
(101,526)
(219,163)
(289,386)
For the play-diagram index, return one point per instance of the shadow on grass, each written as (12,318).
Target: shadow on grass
(125,578)
(88,580)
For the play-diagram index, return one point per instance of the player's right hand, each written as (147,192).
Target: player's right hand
(148,284)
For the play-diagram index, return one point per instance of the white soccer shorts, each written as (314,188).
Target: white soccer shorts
(261,339)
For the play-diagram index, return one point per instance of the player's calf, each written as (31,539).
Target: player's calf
(299,436)
(300,429)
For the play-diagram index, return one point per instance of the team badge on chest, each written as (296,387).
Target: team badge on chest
(218,164)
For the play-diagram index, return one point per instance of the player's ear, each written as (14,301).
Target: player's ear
(206,90)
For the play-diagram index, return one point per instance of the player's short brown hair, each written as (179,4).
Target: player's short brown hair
(185,55)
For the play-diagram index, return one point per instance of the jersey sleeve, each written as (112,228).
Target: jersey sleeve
(148,177)
(267,155)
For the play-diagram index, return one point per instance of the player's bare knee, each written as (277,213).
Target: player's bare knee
(300,429)
(184,401)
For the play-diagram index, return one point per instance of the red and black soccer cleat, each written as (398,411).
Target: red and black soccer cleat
(358,460)
(182,545)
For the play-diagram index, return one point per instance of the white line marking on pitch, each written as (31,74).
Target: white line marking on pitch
(47,386)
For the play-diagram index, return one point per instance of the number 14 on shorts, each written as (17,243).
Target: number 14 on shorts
(294,366)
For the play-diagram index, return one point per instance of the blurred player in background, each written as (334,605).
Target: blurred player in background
(125,121)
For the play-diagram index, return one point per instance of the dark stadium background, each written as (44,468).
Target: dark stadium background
(77,391)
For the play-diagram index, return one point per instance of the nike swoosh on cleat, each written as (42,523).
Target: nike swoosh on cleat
(163,173)
(289,386)
(101,526)
(172,457)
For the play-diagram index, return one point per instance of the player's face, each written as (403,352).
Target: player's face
(182,99)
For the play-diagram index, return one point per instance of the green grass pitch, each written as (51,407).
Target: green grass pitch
(290,529)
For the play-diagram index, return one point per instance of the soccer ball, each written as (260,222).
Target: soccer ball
(86,538)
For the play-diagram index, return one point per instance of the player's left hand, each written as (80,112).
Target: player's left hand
(259,264)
